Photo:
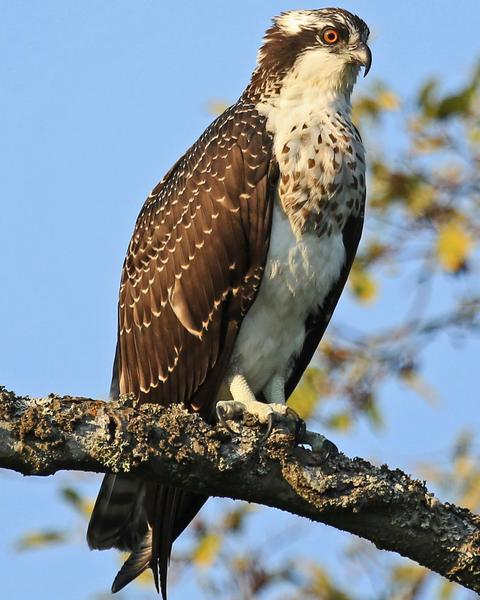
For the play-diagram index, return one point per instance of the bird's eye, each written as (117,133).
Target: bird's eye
(330,36)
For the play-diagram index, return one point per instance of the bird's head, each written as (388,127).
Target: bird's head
(324,48)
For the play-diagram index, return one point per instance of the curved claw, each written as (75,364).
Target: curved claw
(322,449)
(222,420)
(300,425)
(269,429)
(329,449)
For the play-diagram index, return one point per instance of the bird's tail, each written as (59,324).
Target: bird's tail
(119,518)
(140,517)
(170,510)
(135,565)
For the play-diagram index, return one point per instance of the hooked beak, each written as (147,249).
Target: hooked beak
(362,55)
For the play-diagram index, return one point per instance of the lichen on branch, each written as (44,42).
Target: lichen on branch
(387,507)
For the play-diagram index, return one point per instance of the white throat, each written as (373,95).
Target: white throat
(315,144)
(306,100)
(320,83)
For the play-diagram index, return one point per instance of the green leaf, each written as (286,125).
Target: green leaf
(37,539)
(72,497)
(372,412)
(456,104)
(234,519)
(426,100)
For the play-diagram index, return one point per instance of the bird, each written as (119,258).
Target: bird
(237,261)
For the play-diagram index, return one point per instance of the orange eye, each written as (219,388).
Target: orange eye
(330,36)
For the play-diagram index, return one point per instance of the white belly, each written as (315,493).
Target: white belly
(298,276)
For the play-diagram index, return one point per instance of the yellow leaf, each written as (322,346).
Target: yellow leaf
(207,550)
(420,386)
(375,250)
(471,494)
(474,135)
(446,591)
(454,244)
(321,586)
(421,199)
(145,579)
(304,398)
(87,507)
(406,573)
(416,124)
(340,421)
(388,100)
(427,144)
(464,466)
(363,285)
(216,107)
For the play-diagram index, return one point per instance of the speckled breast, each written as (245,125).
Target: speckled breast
(322,166)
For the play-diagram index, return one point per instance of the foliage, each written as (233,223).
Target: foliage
(423,220)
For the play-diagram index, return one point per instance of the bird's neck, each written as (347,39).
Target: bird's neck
(300,93)
(296,103)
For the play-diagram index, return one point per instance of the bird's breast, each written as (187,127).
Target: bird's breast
(321,160)
(322,182)
(323,176)
(299,273)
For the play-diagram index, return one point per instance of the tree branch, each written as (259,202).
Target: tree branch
(395,512)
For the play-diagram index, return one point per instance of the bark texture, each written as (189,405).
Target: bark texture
(387,507)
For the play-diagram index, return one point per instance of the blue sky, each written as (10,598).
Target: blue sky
(98,100)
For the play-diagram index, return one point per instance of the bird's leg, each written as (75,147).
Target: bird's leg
(244,401)
(274,393)
(322,448)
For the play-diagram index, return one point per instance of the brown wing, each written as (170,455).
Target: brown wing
(317,323)
(194,264)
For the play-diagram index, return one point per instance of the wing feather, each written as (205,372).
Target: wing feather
(192,271)
(195,263)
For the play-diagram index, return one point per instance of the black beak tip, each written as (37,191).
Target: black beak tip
(368,62)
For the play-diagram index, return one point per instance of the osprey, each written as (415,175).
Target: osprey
(237,261)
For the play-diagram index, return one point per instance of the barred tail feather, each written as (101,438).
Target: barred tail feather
(135,565)
(173,509)
(144,518)
(119,518)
